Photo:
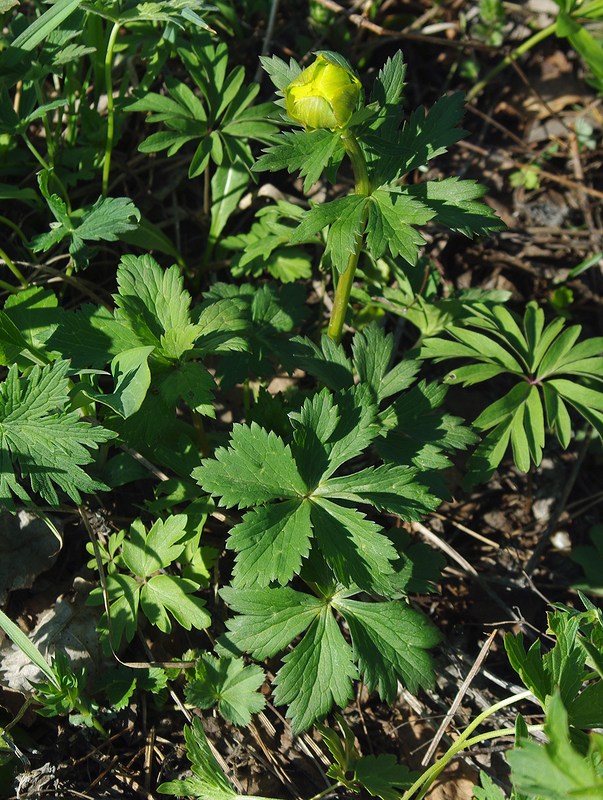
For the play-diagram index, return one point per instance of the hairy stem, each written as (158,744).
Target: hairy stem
(346,280)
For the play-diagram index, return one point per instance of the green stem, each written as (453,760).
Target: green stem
(14,269)
(464,740)
(37,155)
(110,106)
(44,164)
(15,228)
(326,791)
(346,281)
(509,59)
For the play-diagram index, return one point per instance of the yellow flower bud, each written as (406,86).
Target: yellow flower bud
(324,95)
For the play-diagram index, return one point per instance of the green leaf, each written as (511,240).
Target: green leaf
(12,342)
(578,395)
(132,378)
(489,453)
(281,74)
(387,487)
(35,316)
(528,665)
(390,642)
(256,468)
(509,404)
(41,439)
(389,225)
(353,546)
(191,382)
(90,337)
(586,710)
(152,302)
(271,543)
(43,26)
(356,428)
(519,440)
(383,777)
(373,351)
(557,770)
(269,619)
(124,599)
(453,203)
(107,219)
(416,432)
(309,152)
(228,185)
(582,41)
(228,683)
(488,790)
(317,673)
(557,415)
(145,553)
(208,781)
(427,135)
(168,593)
(27,647)
(534,425)
(387,95)
(555,355)
(346,216)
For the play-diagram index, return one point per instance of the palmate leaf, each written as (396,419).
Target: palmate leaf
(270,313)
(553,369)
(318,671)
(41,440)
(373,352)
(170,593)
(229,684)
(389,644)
(145,553)
(105,220)
(299,503)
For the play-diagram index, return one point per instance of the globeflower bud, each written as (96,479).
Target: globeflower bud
(324,95)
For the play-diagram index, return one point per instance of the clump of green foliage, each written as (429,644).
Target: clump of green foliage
(313,570)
